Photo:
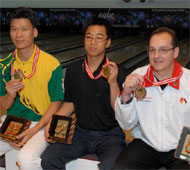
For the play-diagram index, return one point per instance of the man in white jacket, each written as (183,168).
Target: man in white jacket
(155,99)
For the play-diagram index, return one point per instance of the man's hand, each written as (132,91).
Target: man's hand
(23,137)
(47,132)
(132,81)
(13,86)
(114,73)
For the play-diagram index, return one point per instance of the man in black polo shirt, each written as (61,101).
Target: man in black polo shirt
(87,93)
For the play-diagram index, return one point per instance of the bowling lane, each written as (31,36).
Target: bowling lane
(184,55)
(123,40)
(4,34)
(47,44)
(127,52)
(6,38)
(58,39)
(62,43)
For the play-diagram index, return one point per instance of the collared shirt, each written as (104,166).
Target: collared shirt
(91,98)
(43,87)
(160,116)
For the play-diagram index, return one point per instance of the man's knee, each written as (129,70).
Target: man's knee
(49,161)
(45,160)
(28,160)
(23,160)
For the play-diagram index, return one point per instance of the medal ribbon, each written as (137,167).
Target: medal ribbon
(36,56)
(90,74)
(175,76)
(143,83)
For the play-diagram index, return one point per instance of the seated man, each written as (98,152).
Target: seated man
(33,95)
(87,94)
(152,99)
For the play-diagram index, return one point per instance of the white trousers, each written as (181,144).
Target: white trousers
(28,156)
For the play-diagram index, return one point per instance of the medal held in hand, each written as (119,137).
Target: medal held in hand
(140,93)
(106,71)
(17,74)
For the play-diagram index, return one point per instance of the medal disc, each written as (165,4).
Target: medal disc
(140,93)
(17,75)
(106,71)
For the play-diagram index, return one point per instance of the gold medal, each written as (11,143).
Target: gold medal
(17,75)
(140,93)
(106,72)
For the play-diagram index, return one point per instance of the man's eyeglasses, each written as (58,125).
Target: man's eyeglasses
(96,39)
(162,50)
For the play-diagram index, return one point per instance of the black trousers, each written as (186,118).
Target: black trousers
(106,144)
(139,155)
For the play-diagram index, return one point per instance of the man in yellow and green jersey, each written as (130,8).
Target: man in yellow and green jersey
(36,96)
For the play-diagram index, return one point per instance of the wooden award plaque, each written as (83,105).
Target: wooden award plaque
(183,149)
(12,126)
(62,128)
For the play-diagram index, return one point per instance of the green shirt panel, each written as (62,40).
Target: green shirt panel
(55,85)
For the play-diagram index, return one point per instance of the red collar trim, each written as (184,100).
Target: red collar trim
(176,73)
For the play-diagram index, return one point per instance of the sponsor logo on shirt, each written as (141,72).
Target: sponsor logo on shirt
(146,99)
(183,100)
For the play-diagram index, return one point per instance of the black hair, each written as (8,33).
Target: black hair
(169,31)
(100,22)
(23,12)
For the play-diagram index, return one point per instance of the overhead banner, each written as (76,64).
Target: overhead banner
(130,18)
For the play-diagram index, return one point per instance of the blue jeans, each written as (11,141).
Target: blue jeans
(107,145)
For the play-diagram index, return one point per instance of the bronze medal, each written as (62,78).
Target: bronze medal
(106,71)
(140,93)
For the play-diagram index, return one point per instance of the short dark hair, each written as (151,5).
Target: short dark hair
(23,12)
(100,22)
(169,31)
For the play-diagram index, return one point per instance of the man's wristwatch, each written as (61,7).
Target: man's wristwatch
(126,102)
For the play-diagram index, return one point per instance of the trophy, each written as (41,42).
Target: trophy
(106,71)
(13,126)
(62,128)
(140,93)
